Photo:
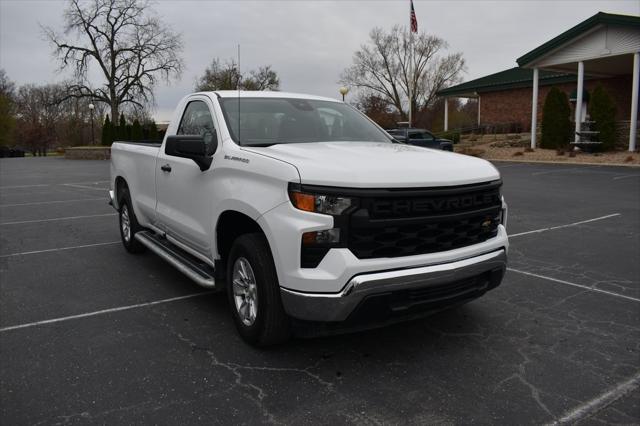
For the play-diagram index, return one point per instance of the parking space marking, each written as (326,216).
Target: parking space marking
(546,172)
(73,185)
(24,253)
(57,219)
(598,403)
(105,311)
(597,290)
(536,231)
(53,184)
(625,177)
(37,203)
(24,186)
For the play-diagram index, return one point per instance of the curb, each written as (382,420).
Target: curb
(564,164)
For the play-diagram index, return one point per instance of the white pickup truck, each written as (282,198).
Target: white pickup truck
(309,214)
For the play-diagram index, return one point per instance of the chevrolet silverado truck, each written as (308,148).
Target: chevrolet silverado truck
(308,214)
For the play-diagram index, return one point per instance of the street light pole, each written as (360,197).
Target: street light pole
(91,107)
(343,91)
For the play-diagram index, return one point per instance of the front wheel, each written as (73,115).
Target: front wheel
(254,293)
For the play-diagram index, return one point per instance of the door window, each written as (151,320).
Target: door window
(428,136)
(197,120)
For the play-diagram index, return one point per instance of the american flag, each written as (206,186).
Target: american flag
(413,19)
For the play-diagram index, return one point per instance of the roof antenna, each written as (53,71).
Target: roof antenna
(238,88)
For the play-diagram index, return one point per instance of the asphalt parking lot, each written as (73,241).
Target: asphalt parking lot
(91,334)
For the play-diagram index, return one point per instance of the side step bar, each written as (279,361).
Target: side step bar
(198,271)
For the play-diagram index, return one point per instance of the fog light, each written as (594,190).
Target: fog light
(327,236)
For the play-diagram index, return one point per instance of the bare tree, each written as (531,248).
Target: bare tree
(38,115)
(391,67)
(7,109)
(226,76)
(264,78)
(378,109)
(131,47)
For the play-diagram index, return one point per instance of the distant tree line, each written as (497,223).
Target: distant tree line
(41,118)
(38,118)
(124,131)
(227,76)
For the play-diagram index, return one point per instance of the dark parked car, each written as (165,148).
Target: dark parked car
(421,137)
(11,152)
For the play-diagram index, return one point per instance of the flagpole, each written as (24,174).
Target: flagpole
(410,65)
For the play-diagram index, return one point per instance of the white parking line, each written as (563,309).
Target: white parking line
(23,186)
(598,403)
(536,231)
(73,185)
(625,177)
(24,253)
(104,311)
(37,203)
(547,172)
(597,290)
(53,184)
(57,219)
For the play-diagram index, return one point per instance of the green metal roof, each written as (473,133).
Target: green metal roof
(512,78)
(599,18)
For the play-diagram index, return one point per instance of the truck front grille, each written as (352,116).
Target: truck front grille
(404,223)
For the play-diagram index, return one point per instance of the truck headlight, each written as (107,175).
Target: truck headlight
(316,203)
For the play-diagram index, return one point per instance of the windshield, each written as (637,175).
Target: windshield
(268,121)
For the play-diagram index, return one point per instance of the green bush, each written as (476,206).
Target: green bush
(136,131)
(107,132)
(153,131)
(556,122)
(453,136)
(602,111)
(121,130)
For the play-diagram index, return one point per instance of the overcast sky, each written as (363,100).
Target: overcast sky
(308,43)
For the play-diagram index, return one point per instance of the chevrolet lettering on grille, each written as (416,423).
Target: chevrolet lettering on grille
(433,205)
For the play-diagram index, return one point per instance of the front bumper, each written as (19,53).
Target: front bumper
(401,292)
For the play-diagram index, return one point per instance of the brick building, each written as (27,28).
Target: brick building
(604,49)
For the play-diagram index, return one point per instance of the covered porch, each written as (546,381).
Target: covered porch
(604,46)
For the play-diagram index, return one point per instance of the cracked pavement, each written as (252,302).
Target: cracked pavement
(527,352)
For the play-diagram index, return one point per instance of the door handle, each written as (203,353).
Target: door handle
(166,168)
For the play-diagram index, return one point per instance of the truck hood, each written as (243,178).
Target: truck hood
(378,165)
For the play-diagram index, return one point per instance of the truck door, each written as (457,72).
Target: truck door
(184,193)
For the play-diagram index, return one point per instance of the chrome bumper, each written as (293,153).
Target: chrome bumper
(332,307)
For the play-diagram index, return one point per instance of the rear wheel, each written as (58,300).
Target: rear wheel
(129,225)
(254,292)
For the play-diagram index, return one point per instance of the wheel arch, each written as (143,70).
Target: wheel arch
(120,184)
(230,225)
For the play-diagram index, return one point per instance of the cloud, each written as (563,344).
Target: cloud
(308,43)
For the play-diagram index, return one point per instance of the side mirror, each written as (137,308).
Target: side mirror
(194,147)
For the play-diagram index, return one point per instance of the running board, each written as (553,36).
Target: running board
(193,268)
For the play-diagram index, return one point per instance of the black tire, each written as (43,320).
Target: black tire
(271,324)
(126,211)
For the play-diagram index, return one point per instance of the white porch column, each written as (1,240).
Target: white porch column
(634,102)
(478,110)
(446,114)
(534,109)
(579,101)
